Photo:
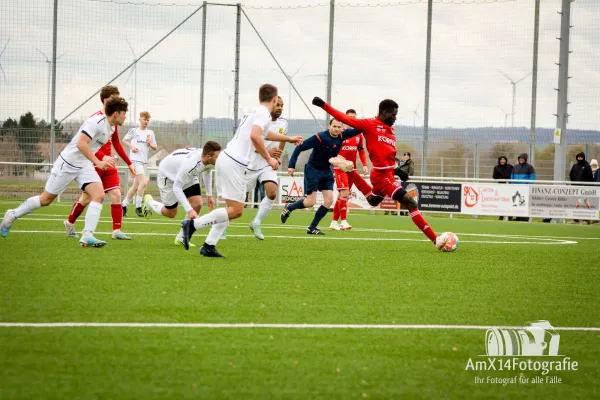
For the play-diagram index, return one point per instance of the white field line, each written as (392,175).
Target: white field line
(267,326)
(310,237)
(176,222)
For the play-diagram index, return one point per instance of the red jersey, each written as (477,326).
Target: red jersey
(353,146)
(380,138)
(106,150)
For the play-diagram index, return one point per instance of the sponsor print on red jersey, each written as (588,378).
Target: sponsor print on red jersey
(351,147)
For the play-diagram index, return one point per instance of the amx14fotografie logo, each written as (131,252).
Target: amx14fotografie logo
(533,349)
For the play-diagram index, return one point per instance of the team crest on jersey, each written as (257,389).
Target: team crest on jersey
(281,132)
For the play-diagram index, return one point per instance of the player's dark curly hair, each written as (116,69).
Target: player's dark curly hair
(386,105)
(210,148)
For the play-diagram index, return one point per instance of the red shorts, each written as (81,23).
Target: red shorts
(345,180)
(384,182)
(110,179)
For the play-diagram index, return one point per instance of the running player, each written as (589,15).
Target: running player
(178,183)
(139,140)
(76,163)
(258,170)
(231,167)
(381,144)
(109,177)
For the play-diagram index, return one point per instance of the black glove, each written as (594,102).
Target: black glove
(317,101)
(401,174)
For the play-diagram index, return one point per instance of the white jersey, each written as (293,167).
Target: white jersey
(137,137)
(279,126)
(98,130)
(241,148)
(183,167)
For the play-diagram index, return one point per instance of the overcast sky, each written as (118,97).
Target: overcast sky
(379,52)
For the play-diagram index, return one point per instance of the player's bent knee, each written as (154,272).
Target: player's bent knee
(408,201)
(115,196)
(374,201)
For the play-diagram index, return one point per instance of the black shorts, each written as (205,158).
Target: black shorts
(189,192)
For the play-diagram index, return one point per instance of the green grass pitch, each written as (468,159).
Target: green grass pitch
(383,272)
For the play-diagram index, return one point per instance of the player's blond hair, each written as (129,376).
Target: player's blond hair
(145,114)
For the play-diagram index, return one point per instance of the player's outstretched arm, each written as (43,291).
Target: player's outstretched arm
(277,137)
(340,116)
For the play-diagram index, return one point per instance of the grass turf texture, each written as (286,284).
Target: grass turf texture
(47,277)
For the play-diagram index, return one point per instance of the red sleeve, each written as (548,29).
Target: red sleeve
(99,155)
(363,157)
(119,148)
(361,124)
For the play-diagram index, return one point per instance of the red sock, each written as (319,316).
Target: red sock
(117,215)
(336,210)
(76,211)
(343,208)
(422,224)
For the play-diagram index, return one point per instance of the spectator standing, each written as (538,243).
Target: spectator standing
(502,173)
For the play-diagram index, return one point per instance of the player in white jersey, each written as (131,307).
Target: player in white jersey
(178,183)
(259,171)
(140,140)
(230,170)
(76,163)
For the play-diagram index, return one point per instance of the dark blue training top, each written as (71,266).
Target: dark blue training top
(324,147)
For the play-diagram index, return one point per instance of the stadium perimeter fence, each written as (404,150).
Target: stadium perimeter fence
(489,92)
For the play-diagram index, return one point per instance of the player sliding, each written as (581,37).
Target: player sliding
(139,140)
(344,180)
(178,183)
(317,172)
(381,145)
(258,170)
(109,177)
(230,170)
(76,163)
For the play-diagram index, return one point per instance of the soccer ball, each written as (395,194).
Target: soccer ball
(451,241)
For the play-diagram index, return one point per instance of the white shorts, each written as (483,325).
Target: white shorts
(140,168)
(165,187)
(63,174)
(230,178)
(262,175)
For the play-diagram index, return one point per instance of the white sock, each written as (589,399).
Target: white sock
(156,206)
(212,218)
(180,234)
(138,201)
(263,210)
(125,202)
(215,233)
(28,206)
(92,217)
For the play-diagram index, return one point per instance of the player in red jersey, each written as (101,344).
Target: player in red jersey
(345,180)
(381,144)
(109,177)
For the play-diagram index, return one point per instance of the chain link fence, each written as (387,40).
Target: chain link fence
(481,73)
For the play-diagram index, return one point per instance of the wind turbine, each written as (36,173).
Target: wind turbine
(49,62)
(3,74)
(289,99)
(514,94)
(415,114)
(505,116)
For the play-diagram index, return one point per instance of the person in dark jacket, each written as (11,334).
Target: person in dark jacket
(525,172)
(581,171)
(502,173)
